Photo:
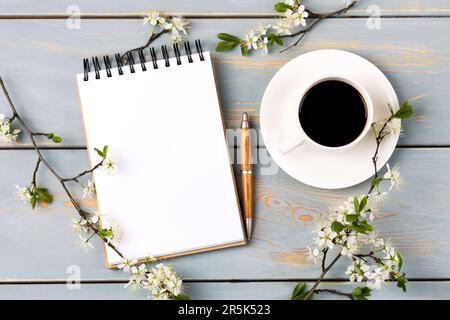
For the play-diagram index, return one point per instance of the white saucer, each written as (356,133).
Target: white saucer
(311,165)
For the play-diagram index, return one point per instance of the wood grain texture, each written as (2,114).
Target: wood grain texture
(285,212)
(43,57)
(215,7)
(220,290)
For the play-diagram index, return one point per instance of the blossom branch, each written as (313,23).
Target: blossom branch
(292,15)
(325,270)
(161,24)
(320,17)
(346,227)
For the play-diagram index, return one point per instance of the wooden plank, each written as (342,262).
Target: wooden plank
(216,7)
(40,245)
(43,57)
(219,290)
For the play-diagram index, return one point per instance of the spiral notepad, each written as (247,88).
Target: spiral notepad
(173,191)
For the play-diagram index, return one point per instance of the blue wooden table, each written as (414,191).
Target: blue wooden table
(40,57)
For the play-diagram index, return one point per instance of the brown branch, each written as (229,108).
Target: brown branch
(36,168)
(370,255)
(152,38)
(75,178)
(340,293)
(324,259)
(319,17)
(39,134)
(311,292)
(379,138)
(28,131)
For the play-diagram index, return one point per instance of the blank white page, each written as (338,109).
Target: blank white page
(173,191)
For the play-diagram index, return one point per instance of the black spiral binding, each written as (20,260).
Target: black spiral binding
(165,55)
(107,66)
(177,53)
(142,59)
(131,63)
(187,47)
(154,58)
(119,63)
(96,67)
(198,45)
(87,69)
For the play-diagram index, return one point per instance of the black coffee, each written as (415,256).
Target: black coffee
(333,113)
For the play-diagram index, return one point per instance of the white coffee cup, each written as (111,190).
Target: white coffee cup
(299,137)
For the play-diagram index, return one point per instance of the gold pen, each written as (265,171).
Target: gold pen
(246,174)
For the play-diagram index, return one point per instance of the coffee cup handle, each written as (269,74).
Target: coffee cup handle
(291,143)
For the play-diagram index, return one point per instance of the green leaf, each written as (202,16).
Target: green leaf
(366,225)
(181,297)
(273,38)
(375,182)
(43,195)
(281,7)
(244,50)
(401,281)
(50,136)
(337,226)
(103,153)
(278,40)
(400,261)
(361,293)
(301,296)
(33,201)
(363,203)
(351,217)
(225,46)
(356,203)
(105,233)
(298,290)
(361,227)
(105,150)
(56,139)
(228,38)
(404,112)
(100,153)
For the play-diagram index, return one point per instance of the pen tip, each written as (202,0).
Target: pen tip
(244,121)
(248,226)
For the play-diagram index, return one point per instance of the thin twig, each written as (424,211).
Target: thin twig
(75,178)
(39,134)
(340,293)
(311,292)
(152,38)
(324,259)
(28,131)
(379,138)
(36,168)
